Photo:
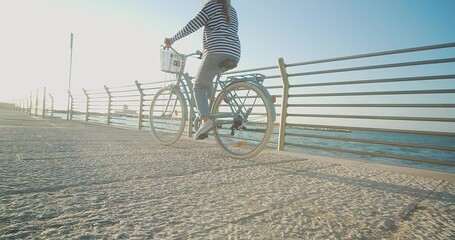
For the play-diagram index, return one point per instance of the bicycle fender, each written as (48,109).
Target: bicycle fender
(169,87)
(172,86)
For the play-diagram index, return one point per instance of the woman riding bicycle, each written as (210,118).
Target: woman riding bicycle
(220,43)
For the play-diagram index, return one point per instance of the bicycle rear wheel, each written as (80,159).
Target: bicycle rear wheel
(168,113)
(244,119)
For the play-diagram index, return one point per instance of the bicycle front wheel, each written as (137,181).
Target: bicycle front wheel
(168,113)
(244,119)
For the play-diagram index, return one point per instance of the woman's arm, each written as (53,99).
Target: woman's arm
(199,21)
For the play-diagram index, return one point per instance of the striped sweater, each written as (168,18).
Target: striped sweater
(219,36)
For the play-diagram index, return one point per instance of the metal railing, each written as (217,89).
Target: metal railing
(39,104)
(376,101)
(115,105)
(397,105)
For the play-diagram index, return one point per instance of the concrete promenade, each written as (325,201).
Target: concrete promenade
(71,180)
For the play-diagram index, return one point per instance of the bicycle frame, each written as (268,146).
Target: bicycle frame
(238,109)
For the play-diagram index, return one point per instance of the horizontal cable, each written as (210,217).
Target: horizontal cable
(437,91)
(154,88)
(424,119)
(274,87)
(123,115)
(272,76)
(126,86)
(158,82)
(439,162)
(124,100)
(442,105)
(96,90)
(126,96)
(251,70)
(97,101)
(128,91)
(385,80)
(382,66)
(101,99)
(97,107)
(96,93)
(387,130)
(406,50)
(443,148)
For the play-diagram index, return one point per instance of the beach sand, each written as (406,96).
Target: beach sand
(69,180)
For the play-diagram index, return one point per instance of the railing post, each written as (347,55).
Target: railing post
(36,104)
(192,114)
(141,105)
(31,103)
(284,104)
(71,104)
(44,102)
(25,105)
(52,105)
(87,104)
(108,104)
(68,107)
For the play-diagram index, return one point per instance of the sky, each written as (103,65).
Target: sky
(117,41)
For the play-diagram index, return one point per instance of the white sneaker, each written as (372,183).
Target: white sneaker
(203,130)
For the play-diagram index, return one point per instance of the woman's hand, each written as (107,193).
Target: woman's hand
(167,42)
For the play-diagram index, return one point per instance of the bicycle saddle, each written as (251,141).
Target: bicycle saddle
(228,65)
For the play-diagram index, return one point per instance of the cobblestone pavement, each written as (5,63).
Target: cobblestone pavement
(70,180)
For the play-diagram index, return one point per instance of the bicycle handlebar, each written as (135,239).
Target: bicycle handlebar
(198,52)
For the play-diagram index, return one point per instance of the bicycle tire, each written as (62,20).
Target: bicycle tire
(252,137)
(168,113)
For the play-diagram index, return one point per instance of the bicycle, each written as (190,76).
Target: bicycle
(242,111)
